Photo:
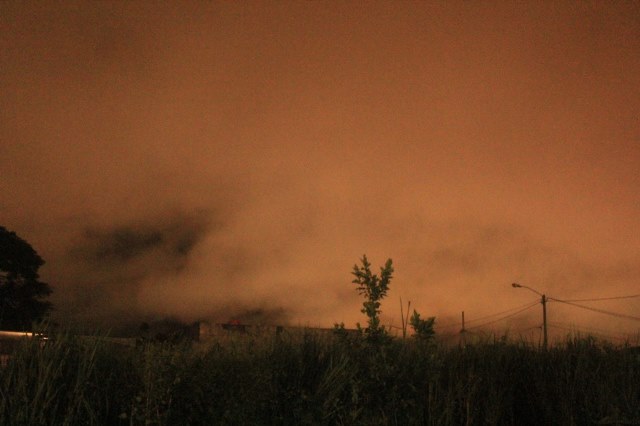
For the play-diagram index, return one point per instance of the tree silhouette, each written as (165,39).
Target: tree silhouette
(423,328)
(374,289)
(21,291)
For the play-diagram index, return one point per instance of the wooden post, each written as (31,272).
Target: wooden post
(463,332)
(544,322)
(404,319)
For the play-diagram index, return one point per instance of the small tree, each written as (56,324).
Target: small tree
(374,289)
(423,328)
(21,291)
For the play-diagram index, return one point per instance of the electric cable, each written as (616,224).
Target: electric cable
(602,311)
(597,299)
(503,312)
(505,317)
(581,327)
(459,324)
(573,329)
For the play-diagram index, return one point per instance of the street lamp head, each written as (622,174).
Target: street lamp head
(516,285)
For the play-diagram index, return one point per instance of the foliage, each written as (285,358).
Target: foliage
(374,289)
(423,328)
(317,378)
(62,380)
(21,291)
(321,378)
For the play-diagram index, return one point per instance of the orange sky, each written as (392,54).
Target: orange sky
(202,159)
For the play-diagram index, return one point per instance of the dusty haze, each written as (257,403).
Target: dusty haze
(214,160)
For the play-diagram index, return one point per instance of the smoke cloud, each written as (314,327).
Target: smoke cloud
(219,161)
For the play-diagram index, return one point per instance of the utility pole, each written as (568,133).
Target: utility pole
(544,321)
(404,319)
(463,332)
(544,312)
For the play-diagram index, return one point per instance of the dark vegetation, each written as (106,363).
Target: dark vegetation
(22,294)
(301,377)
(310,378)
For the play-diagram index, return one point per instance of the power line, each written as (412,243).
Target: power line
(507,316)
(581,327)
(593,330)
(458,324)
(448,325)
(573,329)
(596,300)
(503,312)
(602,311)
(522,330)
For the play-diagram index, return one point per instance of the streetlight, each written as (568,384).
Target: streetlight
(544,311)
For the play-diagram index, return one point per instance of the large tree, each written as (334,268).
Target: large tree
(21,291)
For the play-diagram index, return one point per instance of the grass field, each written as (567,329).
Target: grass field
(308,378)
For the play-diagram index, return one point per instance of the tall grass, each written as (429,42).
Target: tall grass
(307,378)
(49,382)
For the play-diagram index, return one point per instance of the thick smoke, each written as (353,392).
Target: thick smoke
(106,267)
(231,160)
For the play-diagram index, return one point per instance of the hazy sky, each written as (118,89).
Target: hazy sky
(205,160)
